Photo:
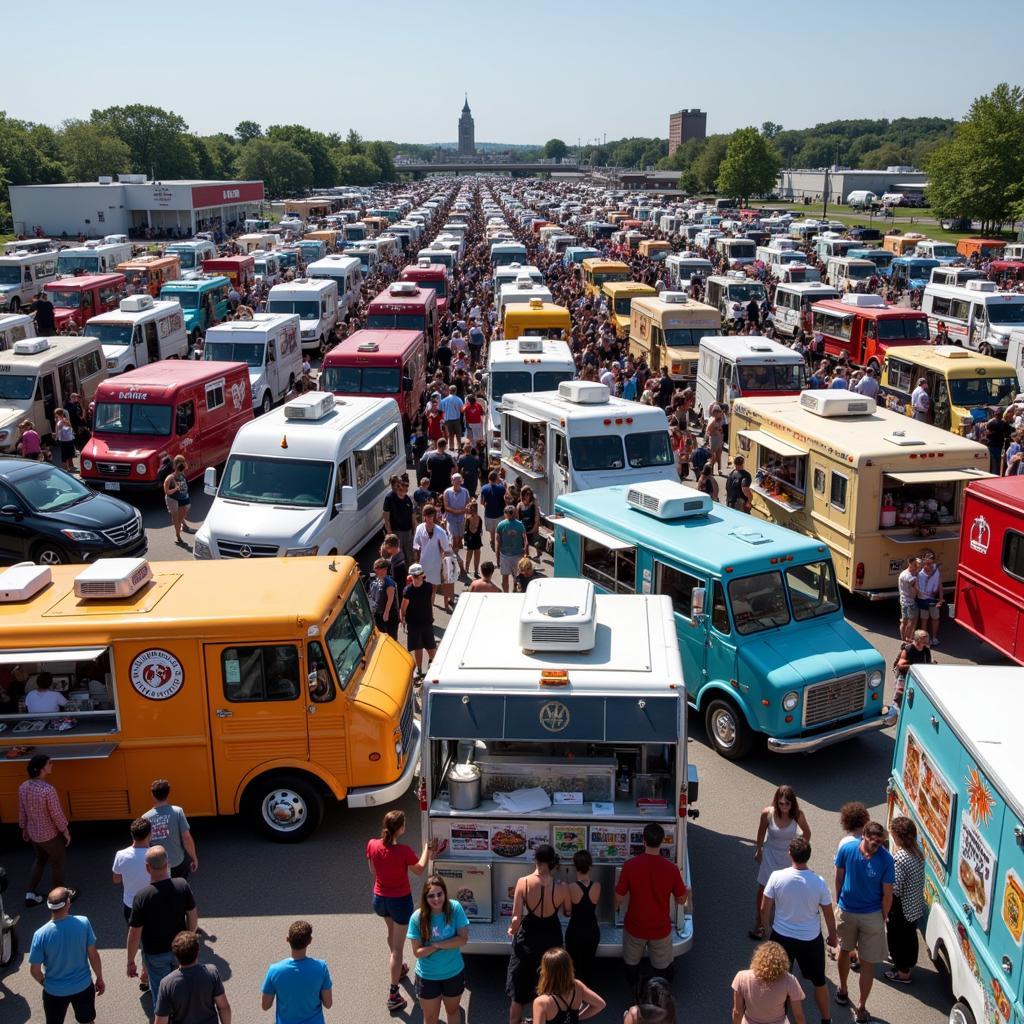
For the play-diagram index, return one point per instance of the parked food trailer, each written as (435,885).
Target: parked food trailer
(558,717)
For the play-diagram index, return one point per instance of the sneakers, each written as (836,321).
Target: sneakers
(33,899)
(396,1001)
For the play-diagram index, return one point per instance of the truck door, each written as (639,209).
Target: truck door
(68,379)
(678,584)
(326,711)
(558,460)
(46,399)
(152,339)
(258,711)
(272,369)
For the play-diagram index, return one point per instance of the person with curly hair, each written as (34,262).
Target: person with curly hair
(761,993)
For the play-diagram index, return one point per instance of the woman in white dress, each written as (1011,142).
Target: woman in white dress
(430,543)
(779,824)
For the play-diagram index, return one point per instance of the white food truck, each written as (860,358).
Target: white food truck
(315,300)
(143,330)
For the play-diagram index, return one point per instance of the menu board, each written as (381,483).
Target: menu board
(636,841)
(537,835)
(976,868)
(929,793)
(567,839)
(508,840)
(609,842)
(470,837)
(1013,906)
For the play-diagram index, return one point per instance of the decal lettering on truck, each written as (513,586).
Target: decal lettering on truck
(156,674)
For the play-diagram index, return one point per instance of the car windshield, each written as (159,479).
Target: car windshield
(50,489)
(603,451)
(307,310)
(302,483)
(112,334)
(395,321)
(70,264)
(975,392)
(759,602)
(366,380)
(812,590)
(17,387)
(774,377)
(10,274)
(650,448)
(746,292)
(687,337)
(1006,312)
(509,382)
(348,635)
(899,329)
(187,300)
(132,418)
(65,299)
(251,353)
(187,258)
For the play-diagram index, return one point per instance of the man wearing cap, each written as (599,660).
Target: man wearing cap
(417,613)
(867,385)
(62,953)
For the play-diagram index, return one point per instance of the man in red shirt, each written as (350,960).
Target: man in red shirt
(649,880)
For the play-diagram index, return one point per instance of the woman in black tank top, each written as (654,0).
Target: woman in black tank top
(561,997)
(583,933)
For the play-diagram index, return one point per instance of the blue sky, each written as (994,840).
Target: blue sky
(532,69)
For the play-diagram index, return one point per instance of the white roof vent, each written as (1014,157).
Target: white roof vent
(524,282)
(136,303)
(863,300)
(583,392)
(665,499)
(558,615)
(113,577)
(952,352)
(530,346)
(982,286)
(30,346)
(314,405)
(423,261)
(22,581)
(901,438)
(676,298)
(402,288)
(831,404)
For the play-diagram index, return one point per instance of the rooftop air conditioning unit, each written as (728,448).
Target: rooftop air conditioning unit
(759,345)
(558,615)
(22,581)
(536,303)
(675,298)
(136,303)
(524,282)
(665,499)
(863,301)
(105,179)
(312,406)
(982,286)
(831,404)
(113,577)
(30,346)
(902,439)
(583,392)
(402,288)
(528,345)
(423,261)
(952,352)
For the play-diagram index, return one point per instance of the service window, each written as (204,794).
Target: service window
(185,417)
(615,571)
(940,305)
(214,395)
(837,495)
(260,673)
(901,374)
(89,365)
(108,294)
(1013,554)
(959,309)
(677,585)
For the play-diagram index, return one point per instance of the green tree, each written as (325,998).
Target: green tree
(357,170)
(555,149)
(380,155)
(89,151)
(353,144)
(315,147)
(25,154)
(222,152)
(769,129)
(284,169)
(245,131)
(153,135)
(750,167)
(703,172)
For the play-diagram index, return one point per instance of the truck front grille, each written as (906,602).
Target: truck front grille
(114,468)
(125,534)
(837,698)
(240,549)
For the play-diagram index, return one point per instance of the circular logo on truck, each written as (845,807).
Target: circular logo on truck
(554,716)
(157,674)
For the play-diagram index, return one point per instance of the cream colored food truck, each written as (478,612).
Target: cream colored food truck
(556,716)
(872,484)
(666,330)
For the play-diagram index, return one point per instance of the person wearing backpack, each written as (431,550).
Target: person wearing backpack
(917,652)
(737,486)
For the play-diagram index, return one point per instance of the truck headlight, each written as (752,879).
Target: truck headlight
(790,700)
(398,750)
(4,435)
(111,364)
(200,548)
(875,679)
(140,468)
(81,536)
(86,463)
(310,549)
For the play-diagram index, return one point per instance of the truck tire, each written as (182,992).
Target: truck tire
(49,554)
(985,349)
(15,304)
(285,808)
(727,729)
(961,1013)
(266,404)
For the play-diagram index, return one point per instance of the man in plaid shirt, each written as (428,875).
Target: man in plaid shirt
(44,825)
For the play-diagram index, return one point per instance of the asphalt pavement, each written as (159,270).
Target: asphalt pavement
(249,890)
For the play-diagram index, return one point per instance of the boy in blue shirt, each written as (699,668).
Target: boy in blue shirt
(301,984)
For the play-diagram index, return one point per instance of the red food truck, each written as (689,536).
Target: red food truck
(239,270)
(172,407)
(77,299)
(863,327)
(383,364)
(404,306)
(990,569)
(429,275)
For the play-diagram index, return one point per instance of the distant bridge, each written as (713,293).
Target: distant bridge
(464,167)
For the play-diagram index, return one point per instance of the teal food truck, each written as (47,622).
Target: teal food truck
(764,643)
(958,773)
(203,301)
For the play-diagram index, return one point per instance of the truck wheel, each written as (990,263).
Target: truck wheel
(985,348)
(15,304)
(266,404)
(285,808)
(8,946)
(727,729)
(49,554)
(961,1013)
(943,967)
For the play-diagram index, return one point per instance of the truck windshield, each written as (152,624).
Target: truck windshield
(548,380)
(510,382)
(650,448)
(66,299)
(395,321)
(746,292)
(893,329)
(306,310)
(622,306)
(17,386)
(348,635)
(858,271)
(132,418)
(365,380)
(603,451)
(186,257)
(975,392)
(112,334)
(776,377)
(812,590)
(250,353)
(687,337)
(1006,312)
(187,300)
(759,602)
(880,257)
(302,483)
(10,274)
(69,264)
(945,252)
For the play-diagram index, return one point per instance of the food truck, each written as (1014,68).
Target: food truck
(270,704)
(990,568)
(752,601)
(556,716)
(863,328)
(666,330)
(149,273)
(959,775)
(870,483)
(239,270)
(203,300)
(77,299)
(429,275)
(597,271)
(140,331)
(734,366)
(619,295)
(404,306)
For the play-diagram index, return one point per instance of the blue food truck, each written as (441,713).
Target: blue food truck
(958,774)
(765,646)
(203,301)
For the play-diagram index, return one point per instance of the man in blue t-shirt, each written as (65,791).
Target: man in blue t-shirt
(511,545)
(301,984)
(865,874)
(492,494)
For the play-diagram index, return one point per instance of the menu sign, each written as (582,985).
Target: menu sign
(1013,906)
(976,868)
(608,842)
(929,793)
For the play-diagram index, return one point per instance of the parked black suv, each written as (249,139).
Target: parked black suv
(48,516)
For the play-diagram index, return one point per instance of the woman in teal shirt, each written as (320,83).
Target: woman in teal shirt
(438,931)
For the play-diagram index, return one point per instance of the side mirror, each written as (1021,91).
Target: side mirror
(210,481)
(13,511)
(697,597)
(348,499)
(407,383)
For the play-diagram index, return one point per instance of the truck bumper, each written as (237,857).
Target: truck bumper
(806,744)
(376,796)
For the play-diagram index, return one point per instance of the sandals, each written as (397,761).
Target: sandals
(863,1017)
(897,978)
(842,998)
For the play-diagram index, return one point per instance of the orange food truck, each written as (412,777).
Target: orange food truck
(150,273)
(239,270)
(986,248)
(270,704)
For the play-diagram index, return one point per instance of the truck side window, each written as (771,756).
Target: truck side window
(1013,554)
(265,672)
(322,690)
(185,417)
(719,610)
(678,585)
(837,496)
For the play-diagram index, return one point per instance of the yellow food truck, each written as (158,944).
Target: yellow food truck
(666,330)
(265,691)
(537,319)
(619,295)
(872,484)
(598,270)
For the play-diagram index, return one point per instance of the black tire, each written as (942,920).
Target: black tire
(961,1013)
(267,404)
(727,729)
(15,304)
(285,808)
(48,553)
(8,947)
(984,349)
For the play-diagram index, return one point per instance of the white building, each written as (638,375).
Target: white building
(809,182)
(131,204)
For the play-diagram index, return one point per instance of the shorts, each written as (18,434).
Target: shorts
(490,525)
(398,908)
(456,525)
(864,933)
(55,1008)
(809,955)
(509,563)
(171,504)
(67,450)
(475,431)
(449,988)
(453,426)
(908,611)
(927,609)
(659,950)
(420,638)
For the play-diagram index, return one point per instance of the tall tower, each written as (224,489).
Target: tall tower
(467,141)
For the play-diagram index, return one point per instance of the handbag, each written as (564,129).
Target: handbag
(449,568)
